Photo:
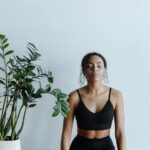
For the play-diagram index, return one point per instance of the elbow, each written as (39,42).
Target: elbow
(120,139)
(119,134)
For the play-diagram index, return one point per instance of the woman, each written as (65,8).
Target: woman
(94,107)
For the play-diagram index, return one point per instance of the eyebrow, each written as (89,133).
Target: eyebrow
(96,63)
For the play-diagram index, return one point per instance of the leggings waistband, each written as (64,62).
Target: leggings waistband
(84,143)
(93,139)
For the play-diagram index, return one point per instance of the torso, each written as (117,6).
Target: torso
(95,104)
(93,134)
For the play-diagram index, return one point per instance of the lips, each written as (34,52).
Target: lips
(96,74)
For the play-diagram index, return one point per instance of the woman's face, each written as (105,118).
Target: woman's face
(94,69)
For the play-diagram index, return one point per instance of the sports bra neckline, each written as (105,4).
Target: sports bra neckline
(99,111)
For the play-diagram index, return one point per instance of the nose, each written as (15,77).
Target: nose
(95,68)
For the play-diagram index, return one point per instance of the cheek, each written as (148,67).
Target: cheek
(103,71)
(89,73)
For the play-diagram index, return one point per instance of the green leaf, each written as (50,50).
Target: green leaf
(32,45)
(2,79)
(2,82)
(31,74)
(32,67)
(64,113)
(64,109)
(64,103)
(10,85)
(29,88)
(62,96)
(27,59)
(64,106)
(31,51)
(20,59)
(32,105)
(2,69)
(56,112)
(29,80)
(5,40)
(36,95)
(2,36)
(9,52)
(56,91)
(47,88)
(50,79)
(39,69)
(5,46)
(39,91)
(33,59)
(56,107)
(37,54)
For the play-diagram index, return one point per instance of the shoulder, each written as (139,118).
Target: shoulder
(73,98)
(116,93)
(117,96)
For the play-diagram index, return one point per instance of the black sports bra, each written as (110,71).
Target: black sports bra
(94,121)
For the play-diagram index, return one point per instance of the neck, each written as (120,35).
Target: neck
(95,88)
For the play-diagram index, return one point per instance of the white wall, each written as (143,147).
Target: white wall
(65,30)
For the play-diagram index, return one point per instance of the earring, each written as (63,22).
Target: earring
(82,79)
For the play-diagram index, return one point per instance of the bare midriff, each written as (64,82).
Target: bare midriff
(94,134)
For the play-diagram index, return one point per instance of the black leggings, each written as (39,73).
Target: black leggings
(82,143)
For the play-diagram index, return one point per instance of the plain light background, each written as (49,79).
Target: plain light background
(64,31)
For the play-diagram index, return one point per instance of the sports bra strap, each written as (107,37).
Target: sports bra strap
(78,94)
(109,93)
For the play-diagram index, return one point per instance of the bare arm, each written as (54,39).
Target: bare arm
(119,122)
(68,122)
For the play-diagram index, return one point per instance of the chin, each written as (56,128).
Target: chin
(96,79)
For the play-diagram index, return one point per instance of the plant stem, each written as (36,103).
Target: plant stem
(19,131)
(15,124)
(4,108)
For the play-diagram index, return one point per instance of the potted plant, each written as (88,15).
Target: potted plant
(20,87)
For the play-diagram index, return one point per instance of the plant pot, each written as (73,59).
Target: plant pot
(10,145)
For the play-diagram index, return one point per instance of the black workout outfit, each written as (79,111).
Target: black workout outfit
(88,120)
